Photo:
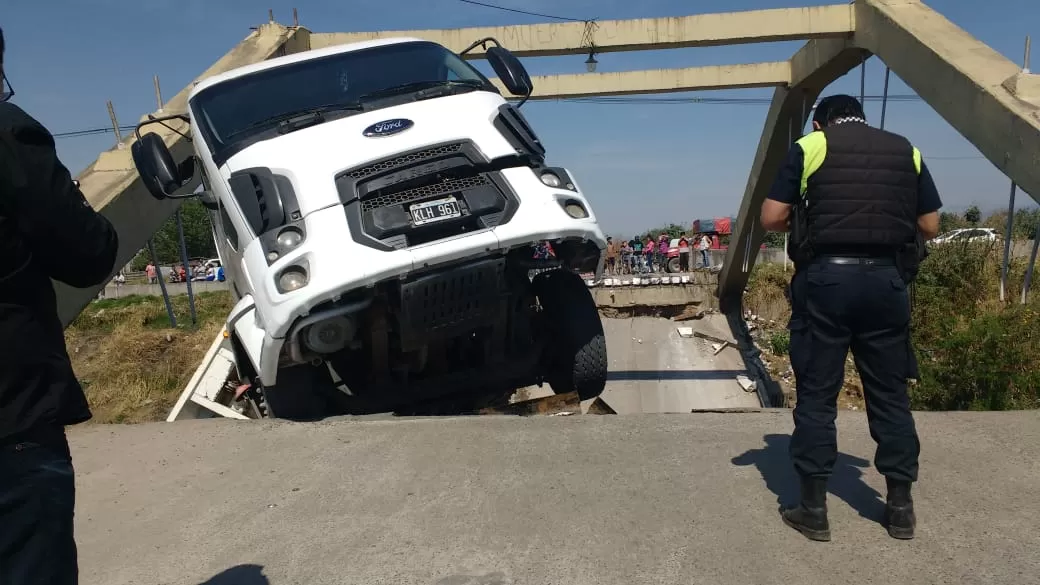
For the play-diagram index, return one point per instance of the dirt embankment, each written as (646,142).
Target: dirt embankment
(767,311)
(131,363)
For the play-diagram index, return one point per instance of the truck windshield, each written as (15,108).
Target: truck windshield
(234,114)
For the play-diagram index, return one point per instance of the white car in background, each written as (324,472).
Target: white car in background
(974,235)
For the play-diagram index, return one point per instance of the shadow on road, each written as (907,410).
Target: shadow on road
(846,483)
(239,575)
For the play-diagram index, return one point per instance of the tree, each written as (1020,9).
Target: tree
(949,221)
(198,237)
(972,215)
(774,240)
(673,230)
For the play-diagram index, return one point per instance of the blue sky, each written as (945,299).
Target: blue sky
(643,165)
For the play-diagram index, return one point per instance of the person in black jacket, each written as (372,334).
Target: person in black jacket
(47,231)
(859,202)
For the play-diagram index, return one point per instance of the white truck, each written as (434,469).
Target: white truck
(382,214)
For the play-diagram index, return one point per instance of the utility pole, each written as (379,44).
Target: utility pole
(115,125)
(158,94)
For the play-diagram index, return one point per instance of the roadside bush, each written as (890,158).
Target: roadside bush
(975,352)
(766,292)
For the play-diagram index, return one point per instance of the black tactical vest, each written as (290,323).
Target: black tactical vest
(864,195)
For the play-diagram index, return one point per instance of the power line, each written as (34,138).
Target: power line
(640,100)
(622,100)
(518,11)
(607,100)
(91,131)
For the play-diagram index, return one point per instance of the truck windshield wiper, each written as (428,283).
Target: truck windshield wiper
(296,119)
(417,86)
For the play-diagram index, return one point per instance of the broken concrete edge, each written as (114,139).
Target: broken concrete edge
(768,390)
(686,279)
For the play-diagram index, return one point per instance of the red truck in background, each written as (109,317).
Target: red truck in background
(714,228)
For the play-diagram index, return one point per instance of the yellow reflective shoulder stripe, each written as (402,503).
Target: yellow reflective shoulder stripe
(814,150)
(917,160)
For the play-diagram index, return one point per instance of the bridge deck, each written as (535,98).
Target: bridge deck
(584,499)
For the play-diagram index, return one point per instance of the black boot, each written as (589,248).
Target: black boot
(899,510)
(810,516)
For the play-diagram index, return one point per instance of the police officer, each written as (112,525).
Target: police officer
(859,203)
(47,230)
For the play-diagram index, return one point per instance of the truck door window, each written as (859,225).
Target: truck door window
(230,232)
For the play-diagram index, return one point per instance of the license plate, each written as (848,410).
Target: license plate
(434,211)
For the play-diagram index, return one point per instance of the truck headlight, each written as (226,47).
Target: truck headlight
(551,180)
(289,238)
(574,209)
(278,242)
(292,278)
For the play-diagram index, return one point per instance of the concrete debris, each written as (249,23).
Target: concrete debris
(684,331)
(746,383)
(598,406)
(717,347)
(713,338)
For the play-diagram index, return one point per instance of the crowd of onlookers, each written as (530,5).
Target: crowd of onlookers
(654,254)
(196,271)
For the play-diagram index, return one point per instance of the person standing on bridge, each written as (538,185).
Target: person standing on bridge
(859,203)
(47,231)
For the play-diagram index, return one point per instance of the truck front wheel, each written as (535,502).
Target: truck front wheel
(576,349)
(301,394)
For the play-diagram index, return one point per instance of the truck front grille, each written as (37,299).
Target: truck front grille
(377,196)
(404,160)
(443,187)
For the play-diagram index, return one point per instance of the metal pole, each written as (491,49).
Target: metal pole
(884,98)
(1025,61)
(115,125)
(1029,269)
(158,93)
(187,269)
(863,81)
(1007,243)
(1011,209)
(786,235)
(295,18)
(162,283)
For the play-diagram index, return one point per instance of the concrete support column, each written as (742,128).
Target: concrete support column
(813,68)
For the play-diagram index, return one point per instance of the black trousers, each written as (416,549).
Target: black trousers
(37,499)
(863,307)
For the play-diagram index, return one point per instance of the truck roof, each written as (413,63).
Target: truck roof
(296,58)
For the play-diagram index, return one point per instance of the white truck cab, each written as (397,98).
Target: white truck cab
(378,208)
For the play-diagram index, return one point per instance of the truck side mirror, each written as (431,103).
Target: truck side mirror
(154,162)
(208,200)
(510,71)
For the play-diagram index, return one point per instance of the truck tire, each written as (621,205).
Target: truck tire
(673,265)
(577,349)
(298,395)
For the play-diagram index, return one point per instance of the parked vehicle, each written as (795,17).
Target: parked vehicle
(968,235)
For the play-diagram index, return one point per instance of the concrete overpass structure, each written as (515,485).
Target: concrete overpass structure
(979,92)
(576,500)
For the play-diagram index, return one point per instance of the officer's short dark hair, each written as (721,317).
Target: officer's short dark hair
(833,107)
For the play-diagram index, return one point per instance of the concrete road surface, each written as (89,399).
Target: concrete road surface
(654,370)
(582,500)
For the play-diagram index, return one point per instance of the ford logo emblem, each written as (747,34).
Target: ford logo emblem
(388,127)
